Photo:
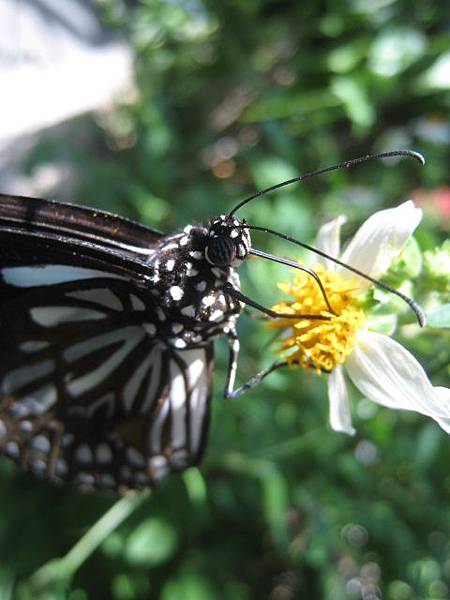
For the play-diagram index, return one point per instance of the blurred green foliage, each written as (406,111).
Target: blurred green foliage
(232,96)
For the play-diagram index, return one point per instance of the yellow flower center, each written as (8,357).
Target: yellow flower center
(319,344)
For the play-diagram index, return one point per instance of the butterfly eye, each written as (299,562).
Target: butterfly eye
(221,251)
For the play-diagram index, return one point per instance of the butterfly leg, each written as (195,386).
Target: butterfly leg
(253,381)
(234,346)
(237,295)
(229,392)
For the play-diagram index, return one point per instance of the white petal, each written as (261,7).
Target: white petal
(329,240)
(379,240)
(443,394)
(388,374)
(340,419)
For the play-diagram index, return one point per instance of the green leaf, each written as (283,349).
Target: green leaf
(188,587)
(123,587)
(271,170)
(440,317)
(275,501)
(408,263)
(438,75)
(395,49)
(355,100)
(151,543)
(385,324)
(427,445)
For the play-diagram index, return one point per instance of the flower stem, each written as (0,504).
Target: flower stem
(59,571)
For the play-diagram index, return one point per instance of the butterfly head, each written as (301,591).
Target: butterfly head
(228,242)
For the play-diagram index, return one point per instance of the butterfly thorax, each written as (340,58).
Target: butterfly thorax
(189,271)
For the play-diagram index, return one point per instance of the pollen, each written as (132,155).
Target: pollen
(321,345)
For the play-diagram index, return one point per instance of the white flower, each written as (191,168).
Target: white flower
(381,368)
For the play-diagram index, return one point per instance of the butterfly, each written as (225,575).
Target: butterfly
(107,330)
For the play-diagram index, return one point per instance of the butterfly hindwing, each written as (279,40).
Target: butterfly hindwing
(90,395)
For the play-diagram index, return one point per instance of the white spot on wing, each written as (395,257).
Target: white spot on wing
(83,454)
(188,311)
(208,301)
(67,439)
(12,450)
(154,381)
(41,444)
(102,296)
(177,327)
(176,292)
(42,399)
(177,397)
(50,275)
(160,314)
(132,386)
(50,316)
(157,426)
(217,315)
(38,466)
(198,377)
(136,302)
(26,426)
(33,345)
(85,479)
(20,377)
(103,454)
(159,467)
(134,457)
(61,468)
(150,329)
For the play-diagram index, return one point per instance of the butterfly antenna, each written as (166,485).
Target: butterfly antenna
(420,315)
(295,265)
(346,164)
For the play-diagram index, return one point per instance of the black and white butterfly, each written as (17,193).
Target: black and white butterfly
(106,350)
(106,340)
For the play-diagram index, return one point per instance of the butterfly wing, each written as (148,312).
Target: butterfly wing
(46,217)
(46,230)
(88,392)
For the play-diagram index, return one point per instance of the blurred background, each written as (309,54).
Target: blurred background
(169,112)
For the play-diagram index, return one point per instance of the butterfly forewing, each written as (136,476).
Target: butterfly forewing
(89,392)
(75,223)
